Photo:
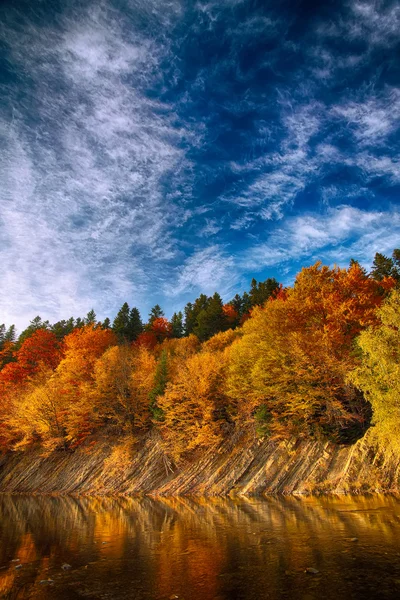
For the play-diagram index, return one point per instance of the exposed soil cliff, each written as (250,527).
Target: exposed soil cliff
(239,466)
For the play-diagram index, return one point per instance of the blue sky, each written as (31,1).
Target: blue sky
(155,149)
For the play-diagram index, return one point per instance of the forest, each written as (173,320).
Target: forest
(317,360)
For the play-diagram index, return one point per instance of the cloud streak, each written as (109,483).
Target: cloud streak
(158,150)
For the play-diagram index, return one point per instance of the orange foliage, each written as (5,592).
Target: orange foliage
(295,353)
(146,339)
(161,328)
(75,374)
(231,315)
(41,348)
(82,348)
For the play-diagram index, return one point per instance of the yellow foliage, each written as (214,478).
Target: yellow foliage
(123,379)
(39,412)
(221,340)
(378,376)
(295,352)
(194,405)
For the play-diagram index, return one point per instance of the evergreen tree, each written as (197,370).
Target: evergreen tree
(383,266)
(33,326)
(160,383)
(177,325)
(155,313)
(211,319)
(10,334)
(260,292)
(106,324)
(63,328)
(246,304)
(190,320)
(237,303)
(135,327)
(90,318)
(192,312)
(120,324)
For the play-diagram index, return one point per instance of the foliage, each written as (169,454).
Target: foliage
(284,361)
(294,354)
(378,375)
(194,404)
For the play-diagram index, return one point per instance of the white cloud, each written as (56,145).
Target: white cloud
(373,120)
(341,233)
(84,214)
(206,271)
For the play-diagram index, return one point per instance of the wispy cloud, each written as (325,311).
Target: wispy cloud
(205,271)
(83,206)
(162,149)
(339,234)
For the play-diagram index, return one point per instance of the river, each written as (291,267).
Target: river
(199,549)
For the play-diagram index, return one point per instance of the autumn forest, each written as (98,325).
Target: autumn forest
(319,360)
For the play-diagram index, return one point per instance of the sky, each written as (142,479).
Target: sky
(153,150)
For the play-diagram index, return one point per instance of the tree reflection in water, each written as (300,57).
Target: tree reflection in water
(199,549)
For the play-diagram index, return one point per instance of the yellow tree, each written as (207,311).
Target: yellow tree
(39,412)
(378,376)
(289,368)
(123,378)
(194,404)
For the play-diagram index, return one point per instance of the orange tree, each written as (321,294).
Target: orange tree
(289,368)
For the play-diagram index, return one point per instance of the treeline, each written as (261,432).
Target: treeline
(312,360)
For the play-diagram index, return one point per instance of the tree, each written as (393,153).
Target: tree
(7,342)
(378,375)
(192,312)
(194,405)
(295,353)
(211,319)
(106,323)
(120,324)
(39,413)
(35,324)
(63,328)
(161,328)
(82,348)
(231,315)
(385,267)
(90,318)
(261,291)
(177,325)
(160,383)
(155,313)
(135,324)
(40,349)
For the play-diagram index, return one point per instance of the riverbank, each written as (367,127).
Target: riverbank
(241,466)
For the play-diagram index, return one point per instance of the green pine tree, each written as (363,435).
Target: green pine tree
(177,325)
(120,324)
(135,326)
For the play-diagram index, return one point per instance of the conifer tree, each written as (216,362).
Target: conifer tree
(155,313)
(135,324)
(120,324)
(211,319)
(90,318)
(177,325)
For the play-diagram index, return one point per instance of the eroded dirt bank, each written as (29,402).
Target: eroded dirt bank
(240,466)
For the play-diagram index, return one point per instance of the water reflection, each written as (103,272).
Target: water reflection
(199,549)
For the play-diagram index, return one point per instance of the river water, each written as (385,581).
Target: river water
(199,549)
